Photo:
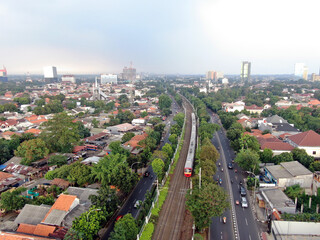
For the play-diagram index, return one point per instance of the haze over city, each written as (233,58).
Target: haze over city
(187,37)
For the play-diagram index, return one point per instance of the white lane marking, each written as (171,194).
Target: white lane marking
(246,221)
(249,237)
(140,191)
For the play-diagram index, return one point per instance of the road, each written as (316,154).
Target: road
(245,226)
(145,183)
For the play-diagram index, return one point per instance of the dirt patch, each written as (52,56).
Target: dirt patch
(186,231)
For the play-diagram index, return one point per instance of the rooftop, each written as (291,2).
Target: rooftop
(307,139)
(32,214)
(277,198)
(288,170)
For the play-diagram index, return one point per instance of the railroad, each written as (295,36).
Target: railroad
(170,220)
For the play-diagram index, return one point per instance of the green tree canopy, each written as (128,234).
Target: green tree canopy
(157,166)
(168,150)
(164,101)
(126,228)
(61,134)
(266,156)
(58,160)
(248,160)
(127,137)
(116,148)
(205,203)
(106,199)
(11,200)
(32,150)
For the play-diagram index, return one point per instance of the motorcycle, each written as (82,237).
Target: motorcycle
(220,181)
(221,169)
(224,219)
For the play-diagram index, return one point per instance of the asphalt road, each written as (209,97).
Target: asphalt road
(245,227)
(145,183)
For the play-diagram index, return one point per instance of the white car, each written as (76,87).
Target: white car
(244,202)
(137,204)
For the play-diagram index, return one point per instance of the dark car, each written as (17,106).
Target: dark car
(242,191)
(230,165)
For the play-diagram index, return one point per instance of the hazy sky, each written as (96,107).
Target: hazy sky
(159,36)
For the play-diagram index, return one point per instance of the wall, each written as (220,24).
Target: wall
(296,228)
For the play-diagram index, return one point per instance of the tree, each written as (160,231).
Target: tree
(95,123)
(209,152)
(160,154)
(123,177)
(283,157)
(11,200)
(164,101)
(74,235)
(248,160)
(106,199)
(205,203)
(144,114)
(116,148)
(82,130)
(173,139)
(157,166)
(127,137)
(58,160)
(32,150)
(126,228)
(248,141)
(266,155)
(179,118)
(302,157)
(79,174)
(175,129)
(315,166)
(89,223)
(61,134)
(168,150)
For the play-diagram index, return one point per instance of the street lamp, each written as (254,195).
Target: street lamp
(133,164)
(98,209)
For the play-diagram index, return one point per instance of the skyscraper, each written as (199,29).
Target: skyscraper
(301,70)
(50,74)
(3,75)
(245,71)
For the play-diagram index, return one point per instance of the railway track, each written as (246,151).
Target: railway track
(171,215)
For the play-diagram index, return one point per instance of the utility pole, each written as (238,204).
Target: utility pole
(200,179)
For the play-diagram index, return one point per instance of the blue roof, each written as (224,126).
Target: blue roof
(2,167)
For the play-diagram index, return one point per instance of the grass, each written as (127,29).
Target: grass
(148,231)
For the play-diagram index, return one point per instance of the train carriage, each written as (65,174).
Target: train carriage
(192,148)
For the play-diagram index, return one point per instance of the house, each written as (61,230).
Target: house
(274,198)
(34,131)
(117,129)
(60,183)
(277,147)
(8,124)
(139,122)
(314,102)
(289,173)
(309,141)
(232,107)
(133,143)
(8,135)
(254,109)
(283,103)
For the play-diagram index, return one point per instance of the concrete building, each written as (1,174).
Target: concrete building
(245,73)
(108,78)
(274,198)
(68,78)
(129,73)
(315,77)
(289,173)
(50,74)
(232,107)
(214,75)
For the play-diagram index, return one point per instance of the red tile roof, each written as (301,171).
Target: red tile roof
(20,236)
(314,102)
(277,146)
(134,142)
(307,139)
(26,228)
(33,131)
(44,230)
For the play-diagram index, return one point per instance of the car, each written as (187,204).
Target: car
(230,165)
(119,217)
(146,174)
(237,202)
(244,202)
(242,191)
(137,204)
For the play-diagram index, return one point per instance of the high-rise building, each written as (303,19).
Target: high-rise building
(68,78)
(3,75)
(214,75)
(129,73)
(301,70)
(109,78)
(50,74)
(315,77)
(245,71)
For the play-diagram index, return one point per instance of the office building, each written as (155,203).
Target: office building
(109,78)
(129,73)
(301,71)
(68,78)
(245,71)
(50,74)
(214,75)
(3,75)
(315,77)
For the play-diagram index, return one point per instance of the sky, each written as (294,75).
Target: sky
(159,36)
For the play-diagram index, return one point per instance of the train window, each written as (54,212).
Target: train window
(187,170)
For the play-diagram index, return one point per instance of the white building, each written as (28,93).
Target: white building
(232,107)
(68,78)
(109,78)
(301,70)
(50,74)
(309,141)
(225,81)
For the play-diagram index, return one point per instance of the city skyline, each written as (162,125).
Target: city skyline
(159,37)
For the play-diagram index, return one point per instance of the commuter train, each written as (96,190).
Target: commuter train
(192,148)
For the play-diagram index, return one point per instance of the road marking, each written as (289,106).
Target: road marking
(249,237)
(246,221)
(140,191)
